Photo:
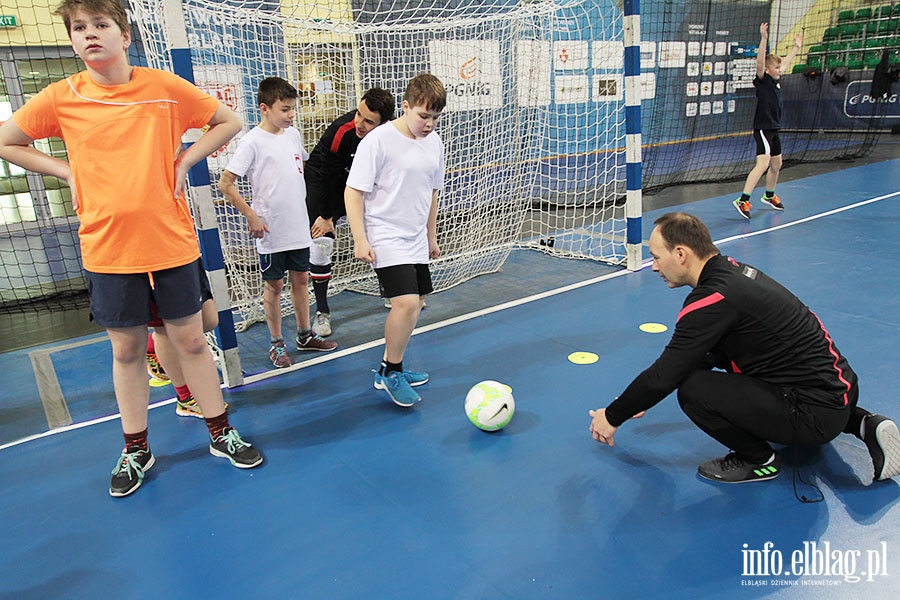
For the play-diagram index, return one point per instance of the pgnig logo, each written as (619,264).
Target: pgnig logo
(867,99)
(816,563)
(858,104)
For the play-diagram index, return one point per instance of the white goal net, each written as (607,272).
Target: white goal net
(534,126)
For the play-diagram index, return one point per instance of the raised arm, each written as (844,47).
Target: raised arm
(761,51)
(798,44)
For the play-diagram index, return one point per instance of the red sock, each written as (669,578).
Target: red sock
(184,394)
(136,439)
(217,424)
(151,347)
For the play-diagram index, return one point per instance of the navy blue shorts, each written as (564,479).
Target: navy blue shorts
(274,266)
(401,280)
(768,142)
(205,294)
(130,300)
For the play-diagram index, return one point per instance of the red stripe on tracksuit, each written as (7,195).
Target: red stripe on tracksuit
(701,303)
(339,135)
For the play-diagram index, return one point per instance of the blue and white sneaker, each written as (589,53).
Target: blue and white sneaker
(413,378)
(398,388)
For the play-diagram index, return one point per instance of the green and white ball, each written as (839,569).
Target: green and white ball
(490,405)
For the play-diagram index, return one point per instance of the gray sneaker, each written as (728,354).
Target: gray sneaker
(322,324)
(129,472)
(230,445)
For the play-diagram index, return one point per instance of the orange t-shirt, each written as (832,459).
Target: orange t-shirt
(122,142)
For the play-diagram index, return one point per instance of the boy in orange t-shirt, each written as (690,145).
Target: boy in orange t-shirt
(123,127)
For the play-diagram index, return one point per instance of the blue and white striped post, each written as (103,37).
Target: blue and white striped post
(632,38)
(204,209)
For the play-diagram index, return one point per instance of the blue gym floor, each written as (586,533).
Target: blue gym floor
(359,499)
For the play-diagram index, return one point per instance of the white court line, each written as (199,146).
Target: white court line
(460,319)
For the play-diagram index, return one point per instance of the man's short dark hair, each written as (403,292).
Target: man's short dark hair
(380,101)
(682,229)
(273,89)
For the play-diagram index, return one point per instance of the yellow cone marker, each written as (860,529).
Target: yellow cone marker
(583,358)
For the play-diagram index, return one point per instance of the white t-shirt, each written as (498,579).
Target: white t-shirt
(398,176)
(274,165)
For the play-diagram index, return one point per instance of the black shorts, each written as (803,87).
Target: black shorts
(131,299)
(402,280)
(768,142)
(274,266)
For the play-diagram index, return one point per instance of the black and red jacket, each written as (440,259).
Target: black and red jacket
(741,320)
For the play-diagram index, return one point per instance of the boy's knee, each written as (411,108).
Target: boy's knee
(299,277)
(193,345)
(407,303)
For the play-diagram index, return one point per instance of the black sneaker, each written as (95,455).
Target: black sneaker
(883,441)
(230,445)
(129,472)
(734,469)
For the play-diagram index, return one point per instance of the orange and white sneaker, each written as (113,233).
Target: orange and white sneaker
(774,202)
(743,208)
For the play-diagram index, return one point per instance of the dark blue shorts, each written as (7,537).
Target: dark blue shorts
(401,280)
(129,300)
(274,266)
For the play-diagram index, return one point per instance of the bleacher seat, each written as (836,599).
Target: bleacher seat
(872,59)
(856,65)
(863,14)
(831,33)
(874,43)
(844,16)
(850,30)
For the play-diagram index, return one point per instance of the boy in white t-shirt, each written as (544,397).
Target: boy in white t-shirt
(271,155)
(391,201)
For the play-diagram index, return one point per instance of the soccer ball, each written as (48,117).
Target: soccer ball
(490,405)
